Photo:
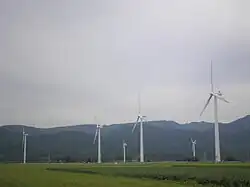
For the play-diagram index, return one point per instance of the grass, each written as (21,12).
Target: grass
(37,175)
(139,175)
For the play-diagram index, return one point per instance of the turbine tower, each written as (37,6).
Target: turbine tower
(124,144)
(215,96)
(140,119)
(98,134)
(24,145)
(193,147)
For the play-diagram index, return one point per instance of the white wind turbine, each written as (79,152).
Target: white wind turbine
(140,119)
(98,134)
(193,147)
(215,96)
(24,145)
(124,144)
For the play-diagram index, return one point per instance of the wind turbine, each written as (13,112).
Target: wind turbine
(215,96)
(140,119)
(193,147)
(98,134)
(124,144)
(24,144)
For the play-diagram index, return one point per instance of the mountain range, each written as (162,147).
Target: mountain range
(163,140)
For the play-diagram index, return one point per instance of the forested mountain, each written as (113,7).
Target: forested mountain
(163,140)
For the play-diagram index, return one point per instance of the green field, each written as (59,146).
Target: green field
(139,175)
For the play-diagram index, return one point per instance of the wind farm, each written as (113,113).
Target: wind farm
(102,161)
(124,93)
(106,170)
(155,168)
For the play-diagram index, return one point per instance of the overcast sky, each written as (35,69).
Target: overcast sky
(64,62)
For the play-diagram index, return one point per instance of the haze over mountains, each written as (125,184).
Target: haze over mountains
(164,140)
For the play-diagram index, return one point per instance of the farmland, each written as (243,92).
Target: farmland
(150,174)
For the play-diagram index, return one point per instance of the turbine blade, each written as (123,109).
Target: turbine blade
(135,124)
(23,138)
(134,127)
(211,76)
(144,118)
(211,95)
(23,142)
(222,99)
(138,118)
(139,103)
(95,136)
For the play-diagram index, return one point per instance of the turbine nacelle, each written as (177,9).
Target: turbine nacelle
(25,134)
(124,144)
(141,119)
(99,126)
(193,141)
(218,95)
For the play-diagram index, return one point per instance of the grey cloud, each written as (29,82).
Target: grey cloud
(65,62)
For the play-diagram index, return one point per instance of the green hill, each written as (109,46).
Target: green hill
(163,140)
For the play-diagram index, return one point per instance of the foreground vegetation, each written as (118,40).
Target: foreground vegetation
(160,174)
(34,175)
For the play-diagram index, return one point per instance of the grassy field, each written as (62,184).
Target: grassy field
(139,175)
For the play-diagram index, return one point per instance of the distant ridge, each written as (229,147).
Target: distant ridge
(164,140)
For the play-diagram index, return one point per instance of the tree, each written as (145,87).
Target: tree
(67,159)
(230,158)
(89,160)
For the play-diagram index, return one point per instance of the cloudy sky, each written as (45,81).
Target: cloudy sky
(64,62)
